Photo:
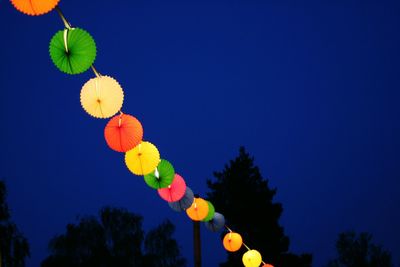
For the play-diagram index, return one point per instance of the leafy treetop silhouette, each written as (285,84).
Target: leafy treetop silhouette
(14,247)
(245,199)
(358,251)
(161,249)
(116,240)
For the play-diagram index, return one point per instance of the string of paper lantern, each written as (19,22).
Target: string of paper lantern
(73,51)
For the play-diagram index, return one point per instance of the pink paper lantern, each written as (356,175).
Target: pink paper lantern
(175,191)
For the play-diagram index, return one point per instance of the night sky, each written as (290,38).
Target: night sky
(310,88)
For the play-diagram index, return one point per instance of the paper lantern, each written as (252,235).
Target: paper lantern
(142,159)
(232,241)
(34,7)
(252,258)
(211,211)
(123,132)
(174,191)
(267,265)
(184,203)
(199,209)
(216,223)
(102,97)
(73,50)
(162,176)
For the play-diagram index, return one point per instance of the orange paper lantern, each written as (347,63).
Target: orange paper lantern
(34,7)
(199,209)
(123,132)
(268,265)
(232,241)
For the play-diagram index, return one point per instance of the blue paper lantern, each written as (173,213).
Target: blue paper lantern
(216,223)
(184,203)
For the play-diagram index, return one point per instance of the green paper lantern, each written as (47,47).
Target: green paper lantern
(73,50)
(211,211)
(162,177)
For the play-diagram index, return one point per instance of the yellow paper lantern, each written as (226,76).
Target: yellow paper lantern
(232,241)
(252,258)
(102,97)
(142,159)
(199,209)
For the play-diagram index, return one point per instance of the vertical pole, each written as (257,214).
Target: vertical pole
(196,244)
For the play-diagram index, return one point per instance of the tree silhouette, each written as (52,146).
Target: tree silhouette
(359,251)
(161,249)
(14,247)
(114,241)
(244,197)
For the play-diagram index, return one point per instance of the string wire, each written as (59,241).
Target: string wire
(64,20)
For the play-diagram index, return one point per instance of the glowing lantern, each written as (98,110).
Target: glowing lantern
(252,258)
(211,211)
(267,265)
(142,159)
(216,223)
(102,97)
(174,191)
(34,7)
(162,176)
(199,209)
(73,50)
(232,241)
(123,132)
(184,203)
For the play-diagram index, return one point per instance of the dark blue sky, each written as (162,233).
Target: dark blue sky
(311,88)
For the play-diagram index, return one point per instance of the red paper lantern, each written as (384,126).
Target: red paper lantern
(123,132)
